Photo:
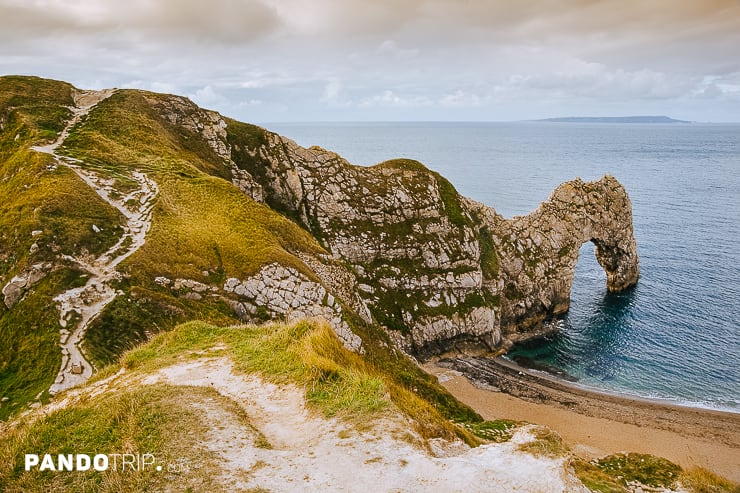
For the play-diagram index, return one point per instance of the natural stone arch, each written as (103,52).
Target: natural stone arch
(538,252)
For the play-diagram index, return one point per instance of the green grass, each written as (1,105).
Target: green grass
(156,419)
(500,430)
(139,313)
(430,400)
(201,222)
(611,474)
(305,353)
(647,469)
(38,105)
(125,129)
(488,254)
(30,355)
(59,205)
(699,480)
(595,479)
(36,197)
(546,443)
(205,223)
(451,200)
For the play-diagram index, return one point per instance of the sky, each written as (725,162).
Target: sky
(393,60)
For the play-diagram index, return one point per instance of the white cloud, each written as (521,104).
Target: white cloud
(390,48)
(216,20)
(332,94)
(596,81)
(389,98)
(463,98)
(207,96)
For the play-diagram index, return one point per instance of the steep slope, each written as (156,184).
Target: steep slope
(284,408)
(125,216)
(433,267)
(56,227)
(414,256)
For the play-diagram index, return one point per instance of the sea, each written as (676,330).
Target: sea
(676,335)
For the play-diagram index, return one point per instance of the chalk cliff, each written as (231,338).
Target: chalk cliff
(434,267)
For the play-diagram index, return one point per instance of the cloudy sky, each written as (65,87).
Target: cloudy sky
(355,60)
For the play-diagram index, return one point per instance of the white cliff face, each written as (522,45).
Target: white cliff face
(286,292)
(433,267)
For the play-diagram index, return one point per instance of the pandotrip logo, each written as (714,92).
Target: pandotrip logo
(100,463)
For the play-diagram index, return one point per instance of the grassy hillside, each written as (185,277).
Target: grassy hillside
(46,212)
(203,228)
(201,222)
(125,410)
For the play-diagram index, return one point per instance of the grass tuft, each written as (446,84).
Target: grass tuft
(646,469)
(699,480)
(500,430)
(308,353)
(547,443)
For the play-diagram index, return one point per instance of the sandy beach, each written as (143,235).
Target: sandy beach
(595,424)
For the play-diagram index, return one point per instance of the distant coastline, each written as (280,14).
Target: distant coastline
(613,119)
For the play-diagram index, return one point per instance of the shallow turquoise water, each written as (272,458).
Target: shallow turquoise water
(677,334)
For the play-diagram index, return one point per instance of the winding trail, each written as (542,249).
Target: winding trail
(80,306)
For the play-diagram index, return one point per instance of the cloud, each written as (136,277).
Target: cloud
(231,21)
(463,98)
(360,59)
(578,78)
(332,94)
(207,96)
(390,99)
(390,48)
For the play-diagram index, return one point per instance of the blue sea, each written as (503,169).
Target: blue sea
(676,335)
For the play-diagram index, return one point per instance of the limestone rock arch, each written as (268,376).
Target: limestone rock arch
(538,252)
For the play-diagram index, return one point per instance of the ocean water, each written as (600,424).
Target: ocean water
(676,335)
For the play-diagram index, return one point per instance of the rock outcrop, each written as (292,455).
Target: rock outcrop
(273,292)
(538,252)
(19,284)
(436,269)
(285,291)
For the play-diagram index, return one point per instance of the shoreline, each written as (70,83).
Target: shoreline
(576,386)
(592,422)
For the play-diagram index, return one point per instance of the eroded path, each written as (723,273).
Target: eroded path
(310,452)
(78,307)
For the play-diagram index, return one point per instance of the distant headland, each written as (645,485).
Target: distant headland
(613,119)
